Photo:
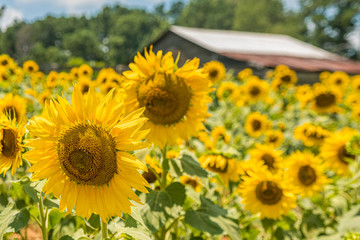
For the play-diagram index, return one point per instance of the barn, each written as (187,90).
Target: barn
(259,51)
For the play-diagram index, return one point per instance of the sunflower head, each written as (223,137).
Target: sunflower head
(267,155)
(325,99)
(274,138)
(256,89)
(85,71)
(30,67)
(311,135)
(225,90)
(14,107)
(338,79)
(84,152)
(244,74)
(193,182)
(255,124)
(5,60)
(215,71)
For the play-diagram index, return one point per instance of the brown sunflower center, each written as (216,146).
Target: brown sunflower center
(31,68)
(325,100)
(256,124)
(307,175)
(343,155)
(269,160)
(166,98)
(9,143)
(213,73)
(85,88)
(87,154)
(4,76)
(286,79)
(4,62)
(11,112)
(273,139)
(219,168)
(254,91)
(191,182)
(338,81)
(268,193)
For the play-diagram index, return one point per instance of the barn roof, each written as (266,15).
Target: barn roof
(267,50)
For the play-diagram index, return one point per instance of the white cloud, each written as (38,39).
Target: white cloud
(9,16)
(78,6)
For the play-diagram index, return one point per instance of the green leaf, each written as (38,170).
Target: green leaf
(94,221)
(66,237)
(230,227)
(158,200)
(6,217)
(176,192)
(191,166)
(153,220)
(51,203)
(54,217)
(210,208)
(201,220)
(30,190)
(174,168)
(20,220)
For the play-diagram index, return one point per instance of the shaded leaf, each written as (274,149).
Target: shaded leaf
(20,220)
(176,192)
(201,220)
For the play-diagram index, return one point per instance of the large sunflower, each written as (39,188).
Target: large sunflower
(82,151)
(225,166)
(175,99)
(14,107)
(306,173)
(267,194)
(10,144)
(325,99)
(215,71)
(255,124)
(334,152)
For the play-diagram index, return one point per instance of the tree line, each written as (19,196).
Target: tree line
(116,33)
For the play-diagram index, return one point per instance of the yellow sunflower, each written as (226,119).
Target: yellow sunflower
(103,76)
(283,76)
(36,78)
(238,96)
(274,138)
(334,152)
(355,82)
(225,166)
(325,99)
(52,79)
(255,124)
(218,133)
(311,135)
(193,182)
(175,99)
(268,194)
(267,155)
(338,79)
(154,168)
(244,74)
(215,71)
(74,73)
(82,151)
(5,61)
(225,90)
(256,89)
(356,113)
(30,67)
(352,100)
(108,86)
(14,107)
(84,84)
(11,135)
(44,96)
(305,172)
(323,76)
(304,94)
(85,71)
(4,76)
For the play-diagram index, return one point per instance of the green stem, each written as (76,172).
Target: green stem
(104,229)
(43,218)
(165,171)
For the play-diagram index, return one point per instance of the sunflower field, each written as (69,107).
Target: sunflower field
(163,151)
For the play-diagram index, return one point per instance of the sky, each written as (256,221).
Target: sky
(31,10)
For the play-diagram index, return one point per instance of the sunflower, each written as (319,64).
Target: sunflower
(311,135)
(255,124)
(306,173)
(355,82)
(44,96)
(338,79)
(175,99)
(266,193)
(267,155)
(11,135)
(334,152)
(304,94)
(356,113)
(225,166)
(256,89)
(324,75)
(193,182)
(325,99)
(206,140)
(5,61)
(14,107)
(218,133)
(283,76)
(103,76)
(238,96)
(52,79)
(30,67)
(108,86)
(352,100)
(85,84)
(74,73)
(37,78)
(244,74)
(215,71)
(274,138)
(154,168)
(85,71)
(82,151)
(225,90)
(4,76)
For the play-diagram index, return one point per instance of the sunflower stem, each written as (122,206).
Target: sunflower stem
(104,229)
(43,218)
(165,169)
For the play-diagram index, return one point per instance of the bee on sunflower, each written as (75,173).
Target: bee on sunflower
(306,173)
(175,99)
(255,124)
(267,193)
(83,150)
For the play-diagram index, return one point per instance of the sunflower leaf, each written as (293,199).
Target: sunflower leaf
(158,200)
(191,166)
(201,221)
(176,192)
(210,208)
(20,220)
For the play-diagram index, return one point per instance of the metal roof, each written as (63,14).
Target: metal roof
(267,50)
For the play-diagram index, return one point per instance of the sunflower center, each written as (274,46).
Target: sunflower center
(254,91)
(11,112)
(343,155)
(4,62)
(256,124)
(286,79)
(8,143)
(191,182)
(338,82)
(87,154)
(269,160)
(31,68)
(307,175)
(166,98)
(85,88)
(325,100)
(273,139)
(268,193)
(213,73)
